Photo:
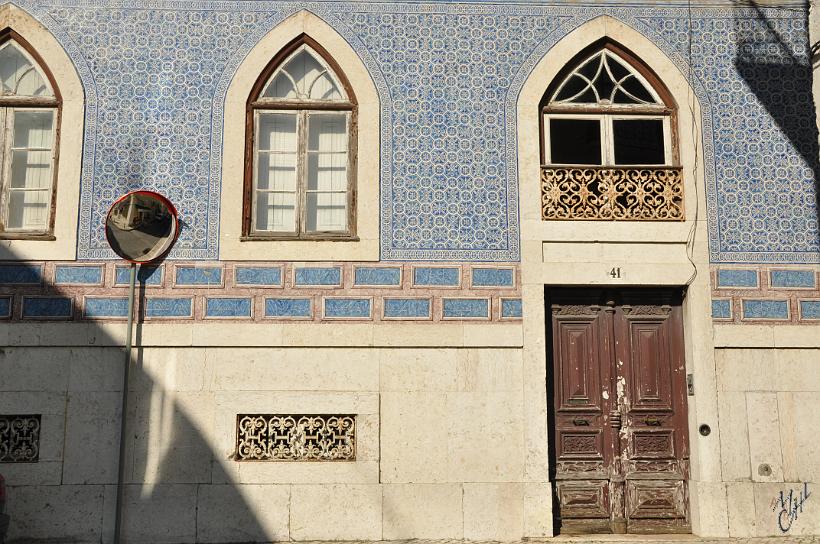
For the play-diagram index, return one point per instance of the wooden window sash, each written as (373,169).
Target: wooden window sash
(302,153)
(9,118)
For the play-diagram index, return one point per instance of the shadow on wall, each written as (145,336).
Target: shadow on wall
(782,82)
(71,373)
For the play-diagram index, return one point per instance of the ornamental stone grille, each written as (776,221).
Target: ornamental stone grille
(620,194)
(295,437)
(19,438)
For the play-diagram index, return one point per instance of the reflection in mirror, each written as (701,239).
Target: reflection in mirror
(141,227)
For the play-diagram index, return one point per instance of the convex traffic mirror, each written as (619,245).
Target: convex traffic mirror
(141,226)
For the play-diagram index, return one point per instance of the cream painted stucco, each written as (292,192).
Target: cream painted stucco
(69,164)
(648,253)
(367,165)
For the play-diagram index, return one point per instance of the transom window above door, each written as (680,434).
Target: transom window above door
(608,141)
(301,124)
(29,114)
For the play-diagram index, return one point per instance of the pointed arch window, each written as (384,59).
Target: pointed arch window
(608,141)
(29,116)
(606,108)
(300,148)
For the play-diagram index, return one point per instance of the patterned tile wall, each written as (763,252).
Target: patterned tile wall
(448,76)
(184,291)
(766,294)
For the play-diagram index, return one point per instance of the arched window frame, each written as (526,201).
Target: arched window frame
(668,111)
(55,104)
(258,103)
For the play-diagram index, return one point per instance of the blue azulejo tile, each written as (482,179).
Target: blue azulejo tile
(5,307)
(288,307)
(106,307)
(347,308)
(493,277)
(765,309)
(196,276)
(511,307)
(327,276)
(149,275)
(436,276)
(418,308)
(810,309)
(259,276)
(21,274)
(795,279)
(721,309)
(228,307)
(377,276)
(168,307)
(466,307)
(46,307)
(79,275)
(731,277)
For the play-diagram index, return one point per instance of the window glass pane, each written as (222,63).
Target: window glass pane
(311,79)
(33,129)
(327,152)
(31,169)
(590,69)
(275,212)
(572,87)
(277,132)
(634,87)
(326,212)
(575,141)
(327,132)
(276,171)
(281,87)
(28,209)
(18,75)
(323,88)
(638,141)
(619,71)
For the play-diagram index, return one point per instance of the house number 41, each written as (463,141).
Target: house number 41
(615,273)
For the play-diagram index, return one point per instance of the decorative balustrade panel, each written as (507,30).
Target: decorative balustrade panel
(19,438)
(295,437)
(615,194)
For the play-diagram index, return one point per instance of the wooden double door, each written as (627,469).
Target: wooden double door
(620,452)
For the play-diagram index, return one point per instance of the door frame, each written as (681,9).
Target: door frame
(607,303)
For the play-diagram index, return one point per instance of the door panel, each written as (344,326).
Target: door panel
(620,435)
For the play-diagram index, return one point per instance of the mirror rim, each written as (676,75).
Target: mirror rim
(165,202)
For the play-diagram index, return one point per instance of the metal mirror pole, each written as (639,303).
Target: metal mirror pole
(123,417)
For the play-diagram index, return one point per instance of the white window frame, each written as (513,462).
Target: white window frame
(607,136)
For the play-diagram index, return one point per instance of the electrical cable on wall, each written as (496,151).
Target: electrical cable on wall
(690,238)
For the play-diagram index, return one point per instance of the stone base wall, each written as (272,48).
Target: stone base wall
(439,445)
(769,408)
(442,437)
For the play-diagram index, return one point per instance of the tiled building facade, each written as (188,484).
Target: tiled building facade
(399,374)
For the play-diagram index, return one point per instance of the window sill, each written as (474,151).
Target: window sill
(27,236)
(295,239)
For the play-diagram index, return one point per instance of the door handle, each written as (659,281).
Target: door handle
(578,422)
(652,421)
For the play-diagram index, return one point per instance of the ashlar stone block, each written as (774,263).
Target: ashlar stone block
(336,512)
(432,511)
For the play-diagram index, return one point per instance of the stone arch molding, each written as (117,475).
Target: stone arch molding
(63,245)
(694,132)
(368,163)
(581,252)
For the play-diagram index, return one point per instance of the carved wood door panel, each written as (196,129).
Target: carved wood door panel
(621,456)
